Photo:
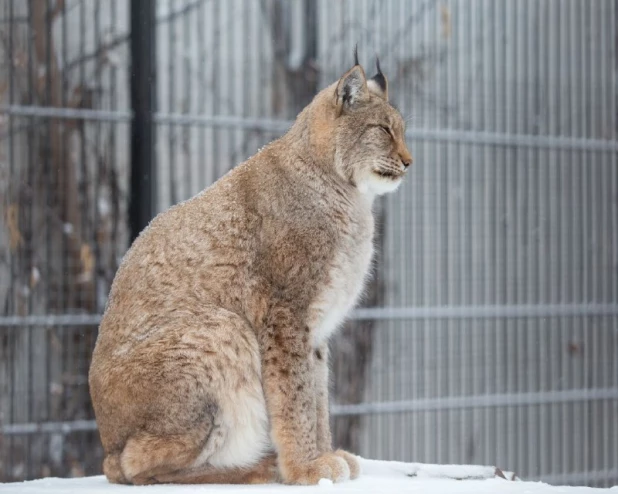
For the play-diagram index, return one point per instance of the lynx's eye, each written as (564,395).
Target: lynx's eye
(386,130)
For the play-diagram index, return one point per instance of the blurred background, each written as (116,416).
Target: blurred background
(490,332)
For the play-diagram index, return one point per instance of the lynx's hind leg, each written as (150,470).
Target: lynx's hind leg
(196,402)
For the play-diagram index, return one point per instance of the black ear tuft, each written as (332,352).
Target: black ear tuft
(379,78)
(378,84)
(356,55)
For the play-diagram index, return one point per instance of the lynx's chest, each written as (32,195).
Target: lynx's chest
(347,275)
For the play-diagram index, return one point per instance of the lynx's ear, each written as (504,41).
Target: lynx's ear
(378,84)
(352,87)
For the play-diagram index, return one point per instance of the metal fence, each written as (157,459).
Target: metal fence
(490,333)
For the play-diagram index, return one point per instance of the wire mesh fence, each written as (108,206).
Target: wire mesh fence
(64,154)
(490,331)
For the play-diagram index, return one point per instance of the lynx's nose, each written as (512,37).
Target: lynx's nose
(406,158)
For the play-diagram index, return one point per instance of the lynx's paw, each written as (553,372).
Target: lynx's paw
(352,462)
(326,466)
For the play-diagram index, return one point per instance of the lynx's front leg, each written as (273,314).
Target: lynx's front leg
(324,438)
(288,379)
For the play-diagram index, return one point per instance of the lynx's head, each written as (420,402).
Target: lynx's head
(364,133)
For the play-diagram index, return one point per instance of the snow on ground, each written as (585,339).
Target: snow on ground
(378,477)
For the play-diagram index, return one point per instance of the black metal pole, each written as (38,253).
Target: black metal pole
(142,202)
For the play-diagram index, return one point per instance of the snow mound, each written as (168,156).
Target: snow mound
(378,477)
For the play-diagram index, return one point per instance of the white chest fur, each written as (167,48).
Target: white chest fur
(347,276)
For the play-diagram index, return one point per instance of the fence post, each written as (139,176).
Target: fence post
(142,202)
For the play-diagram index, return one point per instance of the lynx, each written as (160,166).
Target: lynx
(211,364)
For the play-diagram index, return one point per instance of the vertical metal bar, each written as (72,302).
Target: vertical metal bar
(201,96)
(441,260)
(545,421)
(523,164)
(171,128)
(553,196)
(457,332)
(399,332)
(503,222)
(595,248)
(12,364)
(577,240)
(591,238)
(187,141)
(67,333)
(143,101)
(509,280)
(523,422)
(233,96)
(476,229)
(449,233)
(419,214)
(246,74)
(113,129)
(415,242)
(98,158)
(83,186)
(610,15)
(612,19)
(578,324)
(531,37)
(67,292)
(216,77)
(567,260)
(241,91)
(163,131)
(580,240)
(12,196)
(569,330)
(29,218)
(424,175)
(551,235)
(571,327)
(605,265)
(209,83)
(561,244)
(487,163)
(497,193)
(49,204)
(348,31)
(599,44)
(467,272)
(410,226)
(515,222)
(527,460)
